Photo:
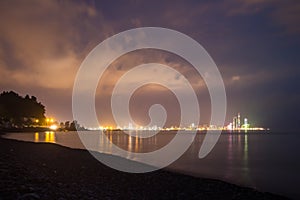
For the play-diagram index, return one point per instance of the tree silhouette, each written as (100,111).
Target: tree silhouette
(18,111)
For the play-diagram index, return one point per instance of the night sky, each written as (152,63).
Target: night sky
(254,43)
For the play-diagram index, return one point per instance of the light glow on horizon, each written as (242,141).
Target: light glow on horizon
(53,127)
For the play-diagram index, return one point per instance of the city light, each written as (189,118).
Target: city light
(51,124)
(53,127)
(235,125)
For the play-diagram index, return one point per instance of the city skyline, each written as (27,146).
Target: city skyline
(200,127)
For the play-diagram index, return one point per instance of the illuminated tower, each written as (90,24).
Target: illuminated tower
(234,123)
(192,125)
(246,125)
(239,121)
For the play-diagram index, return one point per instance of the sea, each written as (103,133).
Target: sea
(268,161)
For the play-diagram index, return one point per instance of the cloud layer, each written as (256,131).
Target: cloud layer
(254,44)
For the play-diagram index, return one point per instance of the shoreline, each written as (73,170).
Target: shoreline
(51,171)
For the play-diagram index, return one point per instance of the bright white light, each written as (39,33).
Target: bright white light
(53,127)
(229,126)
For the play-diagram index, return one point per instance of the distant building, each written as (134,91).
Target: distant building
(234,123)
(246,122)
(239,121)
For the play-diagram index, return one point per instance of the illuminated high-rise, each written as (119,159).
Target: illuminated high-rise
(239,121)
(234,123)
(246,125)
(246,122)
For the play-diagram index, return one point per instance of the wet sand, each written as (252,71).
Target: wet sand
(48,171)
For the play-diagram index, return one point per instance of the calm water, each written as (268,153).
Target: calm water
(265,161)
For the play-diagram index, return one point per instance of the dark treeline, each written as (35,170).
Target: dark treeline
(71,126)
(18,111)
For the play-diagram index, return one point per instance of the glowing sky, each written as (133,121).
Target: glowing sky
(255,44)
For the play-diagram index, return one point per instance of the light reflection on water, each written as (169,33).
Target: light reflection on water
(269,162)
(238,144)
(48,136)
